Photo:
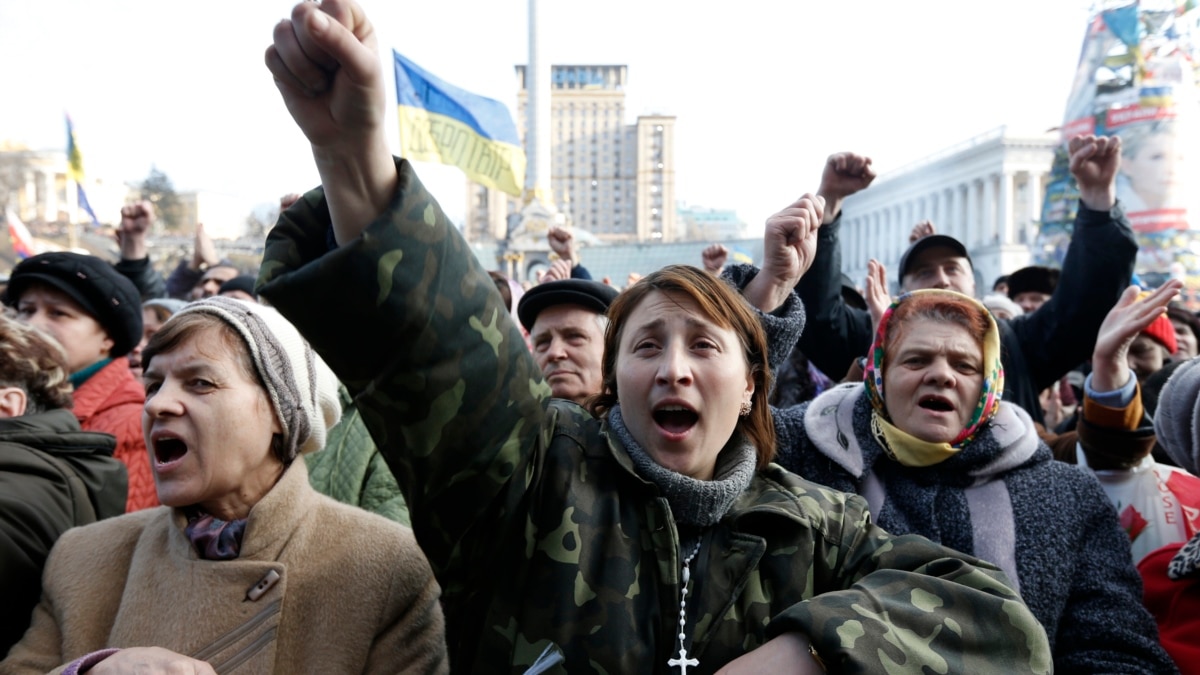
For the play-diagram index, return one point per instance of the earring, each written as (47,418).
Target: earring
(745,409)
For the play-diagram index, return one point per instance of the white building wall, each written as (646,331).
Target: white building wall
(985,192)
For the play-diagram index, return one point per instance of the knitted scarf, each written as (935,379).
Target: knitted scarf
(948,502)
(902,446)
(694,503)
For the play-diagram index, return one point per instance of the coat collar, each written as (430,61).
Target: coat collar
(271,521)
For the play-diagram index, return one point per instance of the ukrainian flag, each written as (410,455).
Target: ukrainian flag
(75,171)
(442,123)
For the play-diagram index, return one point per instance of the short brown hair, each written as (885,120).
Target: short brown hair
(720,303)
(35,363)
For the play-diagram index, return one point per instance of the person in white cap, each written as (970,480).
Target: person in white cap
(245,566)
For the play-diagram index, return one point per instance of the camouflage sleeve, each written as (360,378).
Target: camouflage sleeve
(413,326)
(906,604)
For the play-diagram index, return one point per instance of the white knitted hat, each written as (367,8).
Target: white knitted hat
(1177,418)
(302,388)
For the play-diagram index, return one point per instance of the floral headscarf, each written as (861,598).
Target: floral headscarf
(904,447)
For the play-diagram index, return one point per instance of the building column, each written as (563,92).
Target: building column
(971,234)
(1005,213)
(990,235)
(49,197)
(1035,205)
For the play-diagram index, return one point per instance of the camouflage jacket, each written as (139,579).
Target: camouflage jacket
(539,530)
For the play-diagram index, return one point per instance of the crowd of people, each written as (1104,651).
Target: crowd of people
(373,455)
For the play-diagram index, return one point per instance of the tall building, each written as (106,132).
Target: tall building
(612,179)
(986,192)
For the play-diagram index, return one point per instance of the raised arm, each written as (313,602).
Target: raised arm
(136,221)
(400,308)
(1098,266)
(326,66)
(836,334)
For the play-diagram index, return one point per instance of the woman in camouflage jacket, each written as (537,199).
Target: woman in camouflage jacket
(560,537)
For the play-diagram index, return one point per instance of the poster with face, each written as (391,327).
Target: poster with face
(1137,79)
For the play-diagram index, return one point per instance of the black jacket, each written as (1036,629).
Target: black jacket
(1036,349)
(53,476)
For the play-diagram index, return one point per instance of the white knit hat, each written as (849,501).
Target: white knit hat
(1177,418)
(302,388)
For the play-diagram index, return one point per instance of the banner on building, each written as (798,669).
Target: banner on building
(1137,79)
(442,123)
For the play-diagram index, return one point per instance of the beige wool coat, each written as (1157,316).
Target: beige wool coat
(319,587)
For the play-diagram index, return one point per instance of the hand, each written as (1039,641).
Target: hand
(632,279)
(326,67)
(203,250)
(559,269)
(286,201)
(150,661)
(1094,163)
(136,221)
(1052,408)
(562,242)
(787,653)
(877,297)
(920,231)
(789,245)
(714,258)
(1130,316)
(845,174)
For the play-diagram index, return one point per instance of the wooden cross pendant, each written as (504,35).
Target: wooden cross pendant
(683,662)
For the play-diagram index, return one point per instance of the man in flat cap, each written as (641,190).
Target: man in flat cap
(566,321)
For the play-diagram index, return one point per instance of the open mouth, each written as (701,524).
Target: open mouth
(675,419)
(168,450)
(936,403)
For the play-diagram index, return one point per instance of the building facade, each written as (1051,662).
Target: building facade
(36,186)
(609,178)
(986,192)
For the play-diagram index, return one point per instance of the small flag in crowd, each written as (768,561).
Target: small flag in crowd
(75,171)
(22,239)
(442,123)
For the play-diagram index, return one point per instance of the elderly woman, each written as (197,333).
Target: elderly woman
(95,314)
(929,443)
(653,538)
(248,569)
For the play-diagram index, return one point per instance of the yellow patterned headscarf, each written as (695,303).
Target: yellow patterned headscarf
(904,447)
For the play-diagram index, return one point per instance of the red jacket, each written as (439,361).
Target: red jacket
(111,401)
(1175,606)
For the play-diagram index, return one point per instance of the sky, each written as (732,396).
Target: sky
(762,90)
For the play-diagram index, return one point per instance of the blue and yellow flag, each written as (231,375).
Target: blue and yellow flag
(442,123)
(75,171)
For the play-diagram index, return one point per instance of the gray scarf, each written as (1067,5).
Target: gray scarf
(694,503)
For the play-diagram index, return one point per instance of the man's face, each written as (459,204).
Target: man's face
(940,267)
(1146,356)
(1030,301)
(568,344)
(210,284)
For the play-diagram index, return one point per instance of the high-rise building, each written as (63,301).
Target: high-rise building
(612,179)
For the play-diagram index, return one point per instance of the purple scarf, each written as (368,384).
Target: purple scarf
(213,538)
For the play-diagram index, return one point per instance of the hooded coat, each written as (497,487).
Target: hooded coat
(53,476)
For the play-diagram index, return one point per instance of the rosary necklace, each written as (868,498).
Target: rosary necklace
(683,662)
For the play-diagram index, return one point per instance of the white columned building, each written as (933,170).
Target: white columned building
(986,192)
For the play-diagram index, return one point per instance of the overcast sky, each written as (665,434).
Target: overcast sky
(763,90)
